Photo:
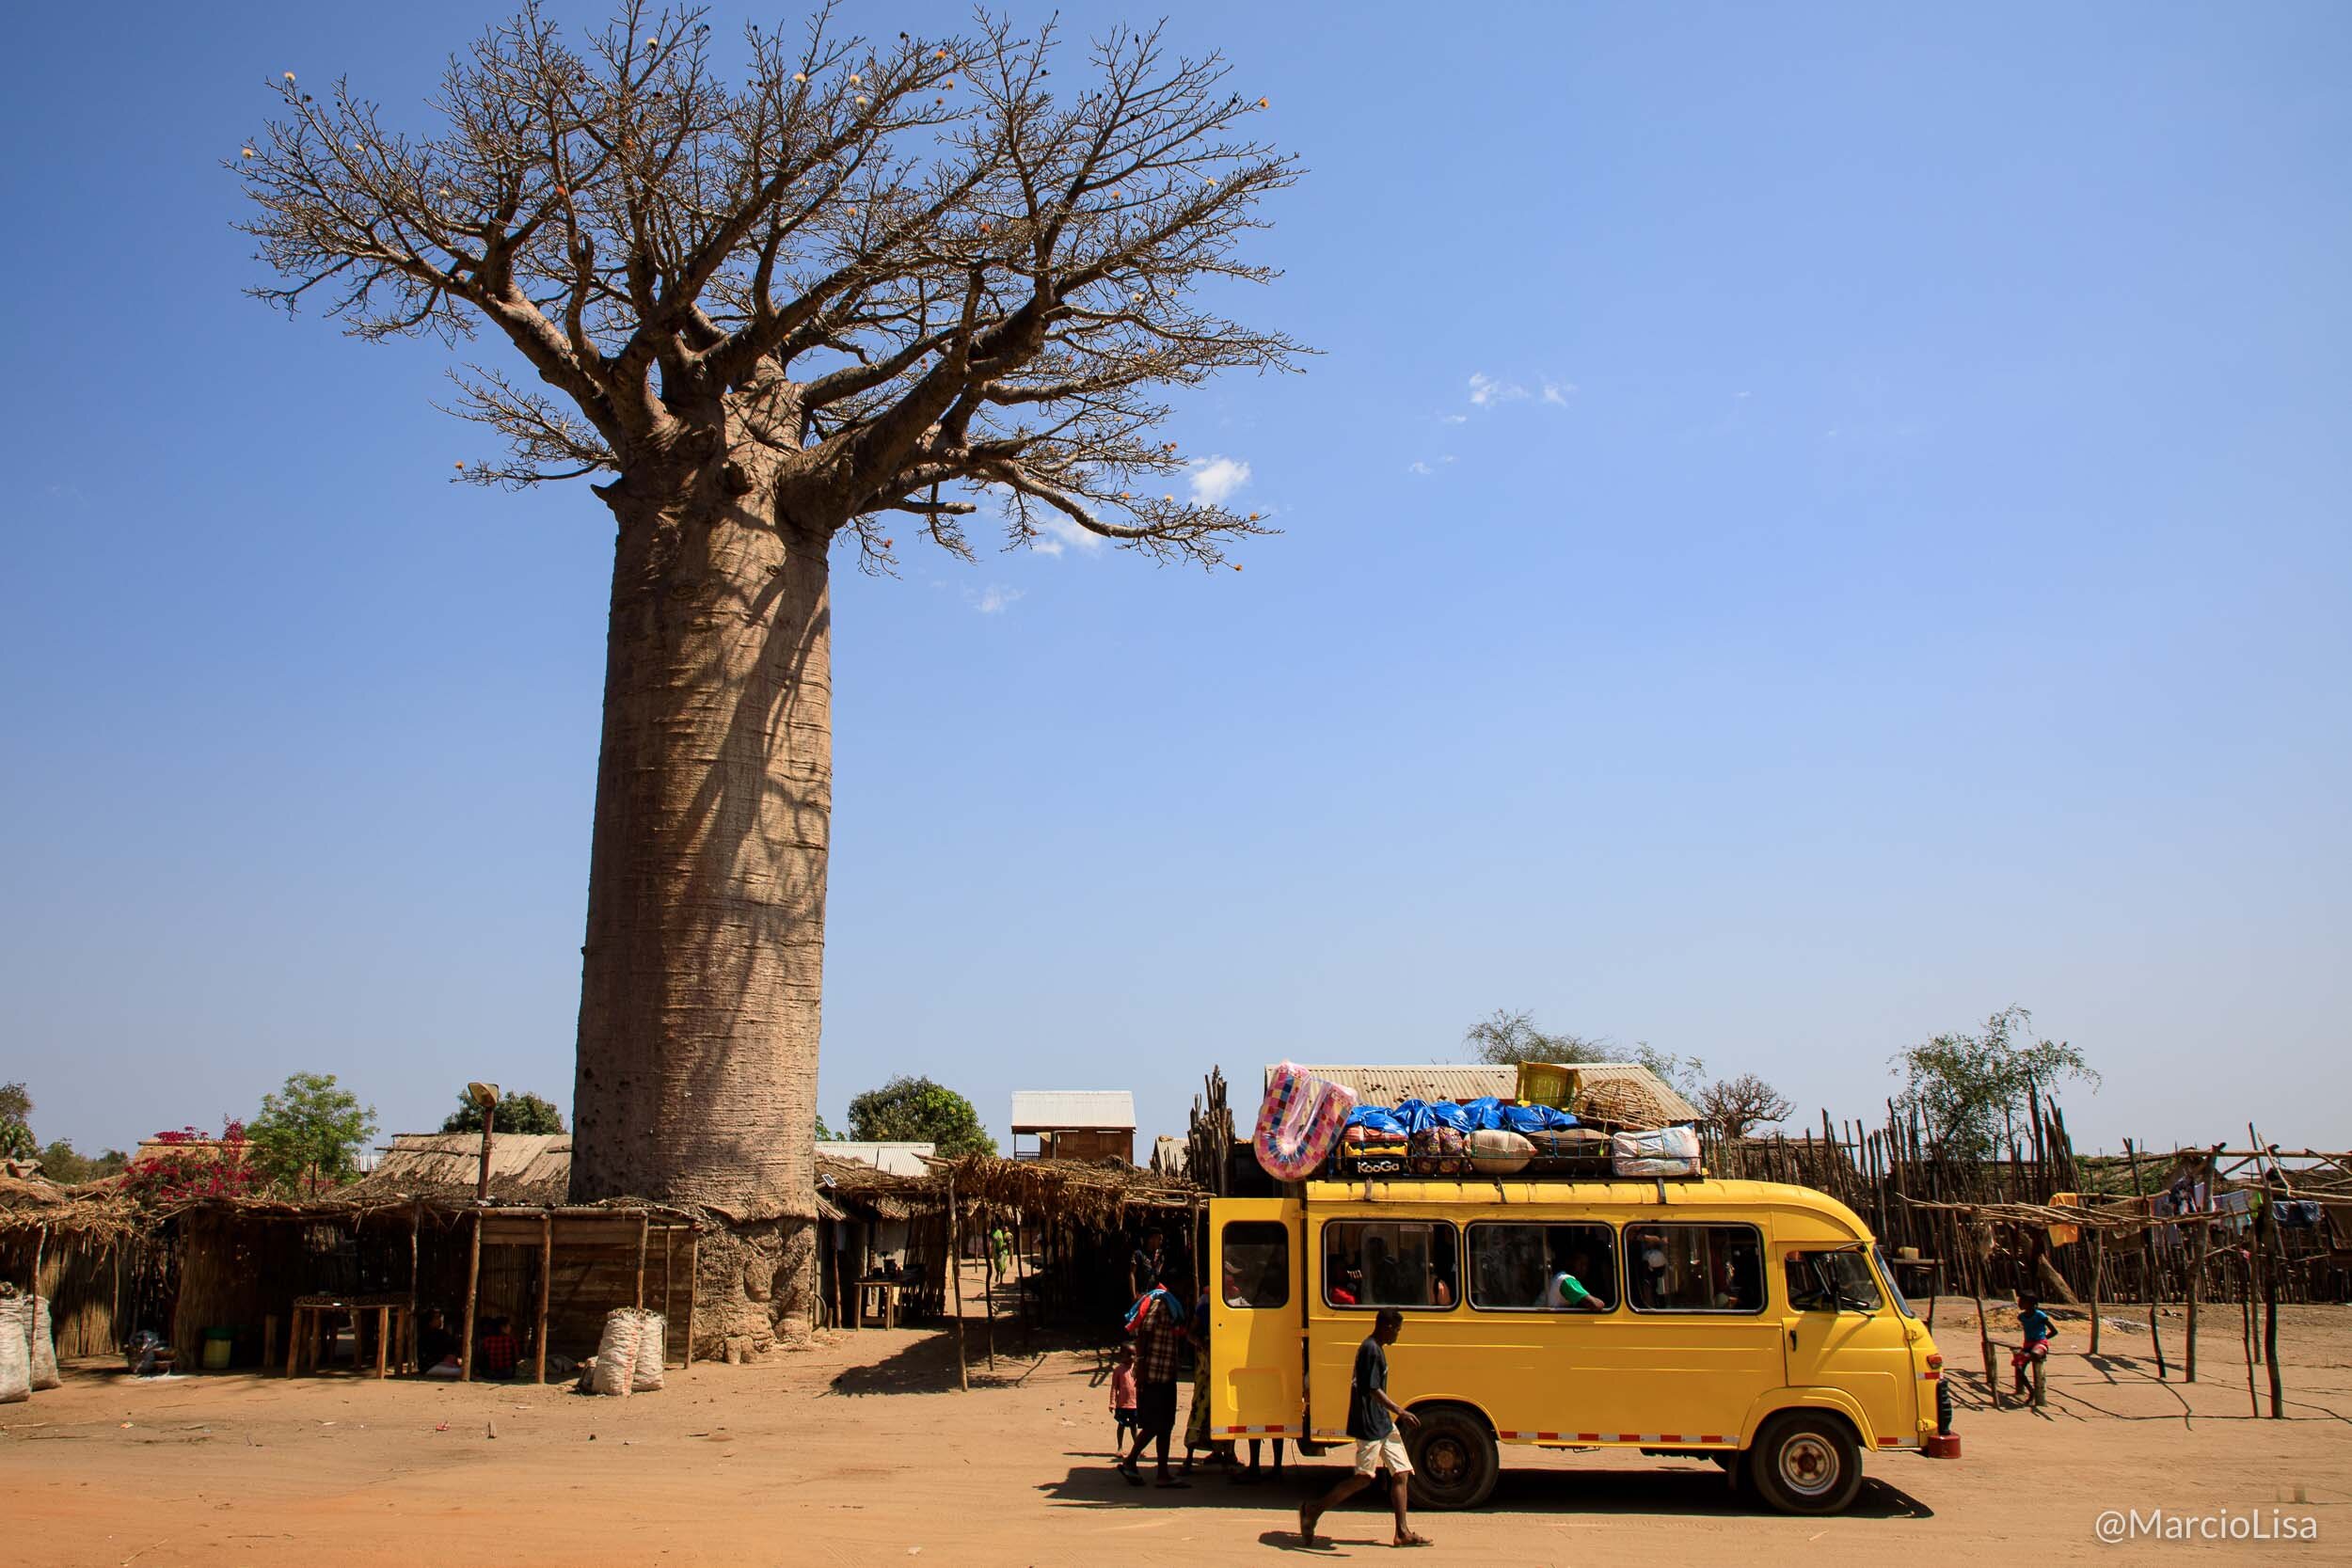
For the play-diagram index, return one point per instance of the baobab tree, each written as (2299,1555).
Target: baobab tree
(833,293)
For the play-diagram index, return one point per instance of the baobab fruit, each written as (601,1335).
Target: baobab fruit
(887,543)
(799,76)
(940,54)
(1262,105)
(290,76)
(854,78)
(248,152)
(861,100)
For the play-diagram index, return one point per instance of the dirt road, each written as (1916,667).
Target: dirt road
(860,1451)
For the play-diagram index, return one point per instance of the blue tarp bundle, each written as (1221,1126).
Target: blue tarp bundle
(1483,1115)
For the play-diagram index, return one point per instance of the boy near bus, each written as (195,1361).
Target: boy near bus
(2035,1327)
(1373,1419)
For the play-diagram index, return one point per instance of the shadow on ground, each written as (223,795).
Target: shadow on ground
(1677,1490)
(928,1366)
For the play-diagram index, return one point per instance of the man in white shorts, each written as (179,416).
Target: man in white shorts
(1371,1421)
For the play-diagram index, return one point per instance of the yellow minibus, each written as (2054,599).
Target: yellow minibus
(1749,1321)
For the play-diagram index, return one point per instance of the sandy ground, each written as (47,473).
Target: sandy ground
(861,1451)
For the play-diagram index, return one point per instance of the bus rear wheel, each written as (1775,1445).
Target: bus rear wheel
(1454,1464)
(1804,1464)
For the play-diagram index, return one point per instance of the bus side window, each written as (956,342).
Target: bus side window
(1694,1268)
(1257,1263)
(1390,1263)
(1543,1267)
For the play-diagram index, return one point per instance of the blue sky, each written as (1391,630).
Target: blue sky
(1810,526)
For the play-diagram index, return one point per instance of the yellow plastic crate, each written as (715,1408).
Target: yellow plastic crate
(1548,1083)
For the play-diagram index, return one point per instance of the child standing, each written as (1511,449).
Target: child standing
(2035,1327)
(1124,1418)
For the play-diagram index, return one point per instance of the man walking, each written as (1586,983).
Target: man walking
(1371,1421)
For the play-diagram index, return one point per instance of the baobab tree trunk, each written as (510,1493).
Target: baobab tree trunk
(700,979)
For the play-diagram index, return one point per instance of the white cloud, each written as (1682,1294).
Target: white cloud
(1485,391)
(1215,478)
(991,600)
(1417,466)
(1046,545)
(1740,395)
(1453,419)
(1558,391)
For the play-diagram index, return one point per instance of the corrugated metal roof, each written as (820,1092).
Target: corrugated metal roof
(1386,1085)
(1049,1110)
(898,1159)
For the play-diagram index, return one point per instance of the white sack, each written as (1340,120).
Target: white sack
(44,1347)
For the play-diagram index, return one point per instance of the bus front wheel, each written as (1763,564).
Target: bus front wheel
(1454,1464)
(1806,1464)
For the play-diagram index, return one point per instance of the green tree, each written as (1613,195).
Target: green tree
(64,1164)
(16,1117)
(311,1131)
(1507,1039)
(915,1110)
(1967,1089)
(517,1113)
(825,1135)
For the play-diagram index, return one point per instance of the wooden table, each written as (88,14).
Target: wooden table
(307,1334)
(878,1298)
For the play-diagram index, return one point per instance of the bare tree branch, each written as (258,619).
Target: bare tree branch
(840,275)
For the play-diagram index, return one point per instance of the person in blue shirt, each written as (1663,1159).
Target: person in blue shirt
(2035,1327)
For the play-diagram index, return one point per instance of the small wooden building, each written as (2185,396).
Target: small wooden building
(1075,1124)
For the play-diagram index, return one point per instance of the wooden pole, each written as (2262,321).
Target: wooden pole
(415,1224)
(482,1180)
(2195,1282)
(667,1235)
(2267,1232)
(644,1227)
(474,1282)
(2252,1401)
(2098,1271)
(2148,1260)
(955,1280)
(694,1257)
(1980,1247)
(546,1273)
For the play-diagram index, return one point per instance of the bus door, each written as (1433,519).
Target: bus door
(1257,1317)
(1842,1333)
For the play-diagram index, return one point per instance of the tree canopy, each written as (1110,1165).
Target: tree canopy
(517,1113)
(1739,1105)
(309,1131)
(1967,1089)
(1506,1038)
(16,1123)
(915,1110)
(866,270)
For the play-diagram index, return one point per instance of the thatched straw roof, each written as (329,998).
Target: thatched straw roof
(1100,1194)
(98,1208)
(851,1189)
(525,1167)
